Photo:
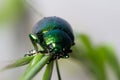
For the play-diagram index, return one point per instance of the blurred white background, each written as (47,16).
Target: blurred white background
(100,19)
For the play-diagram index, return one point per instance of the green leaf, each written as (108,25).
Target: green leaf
(112,60)
(94,57)
(21,62)
(12,9)
(90,56)
(48,72)
(34,61)
(38,66)
(85,40)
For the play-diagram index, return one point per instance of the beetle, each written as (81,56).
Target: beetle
(54,35)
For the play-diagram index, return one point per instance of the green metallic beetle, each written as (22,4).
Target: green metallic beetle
(54,35)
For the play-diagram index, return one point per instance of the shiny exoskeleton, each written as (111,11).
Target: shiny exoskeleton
(54,35)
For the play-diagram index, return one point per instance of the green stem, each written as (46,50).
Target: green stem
(58,71)
(48,72)
(34,70)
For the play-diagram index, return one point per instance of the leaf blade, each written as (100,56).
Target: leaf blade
(20,62)
(34,70)
(48,72)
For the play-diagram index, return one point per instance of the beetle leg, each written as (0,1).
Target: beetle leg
(45,50)
(34,41)
(66,53)
(69,51)
(31,52)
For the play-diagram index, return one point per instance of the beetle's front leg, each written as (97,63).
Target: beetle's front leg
(31,52)
(44,51)
(34,41)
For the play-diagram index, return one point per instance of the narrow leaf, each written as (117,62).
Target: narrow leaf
(20,62)
(34,70)
(48,72)
(34,61)
(90,56)
(112,60)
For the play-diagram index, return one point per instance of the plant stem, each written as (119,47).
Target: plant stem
(58,72)
(48,72)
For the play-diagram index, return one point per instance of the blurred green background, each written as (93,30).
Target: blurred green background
(96,27)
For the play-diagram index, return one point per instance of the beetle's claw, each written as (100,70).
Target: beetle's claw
(30,53)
